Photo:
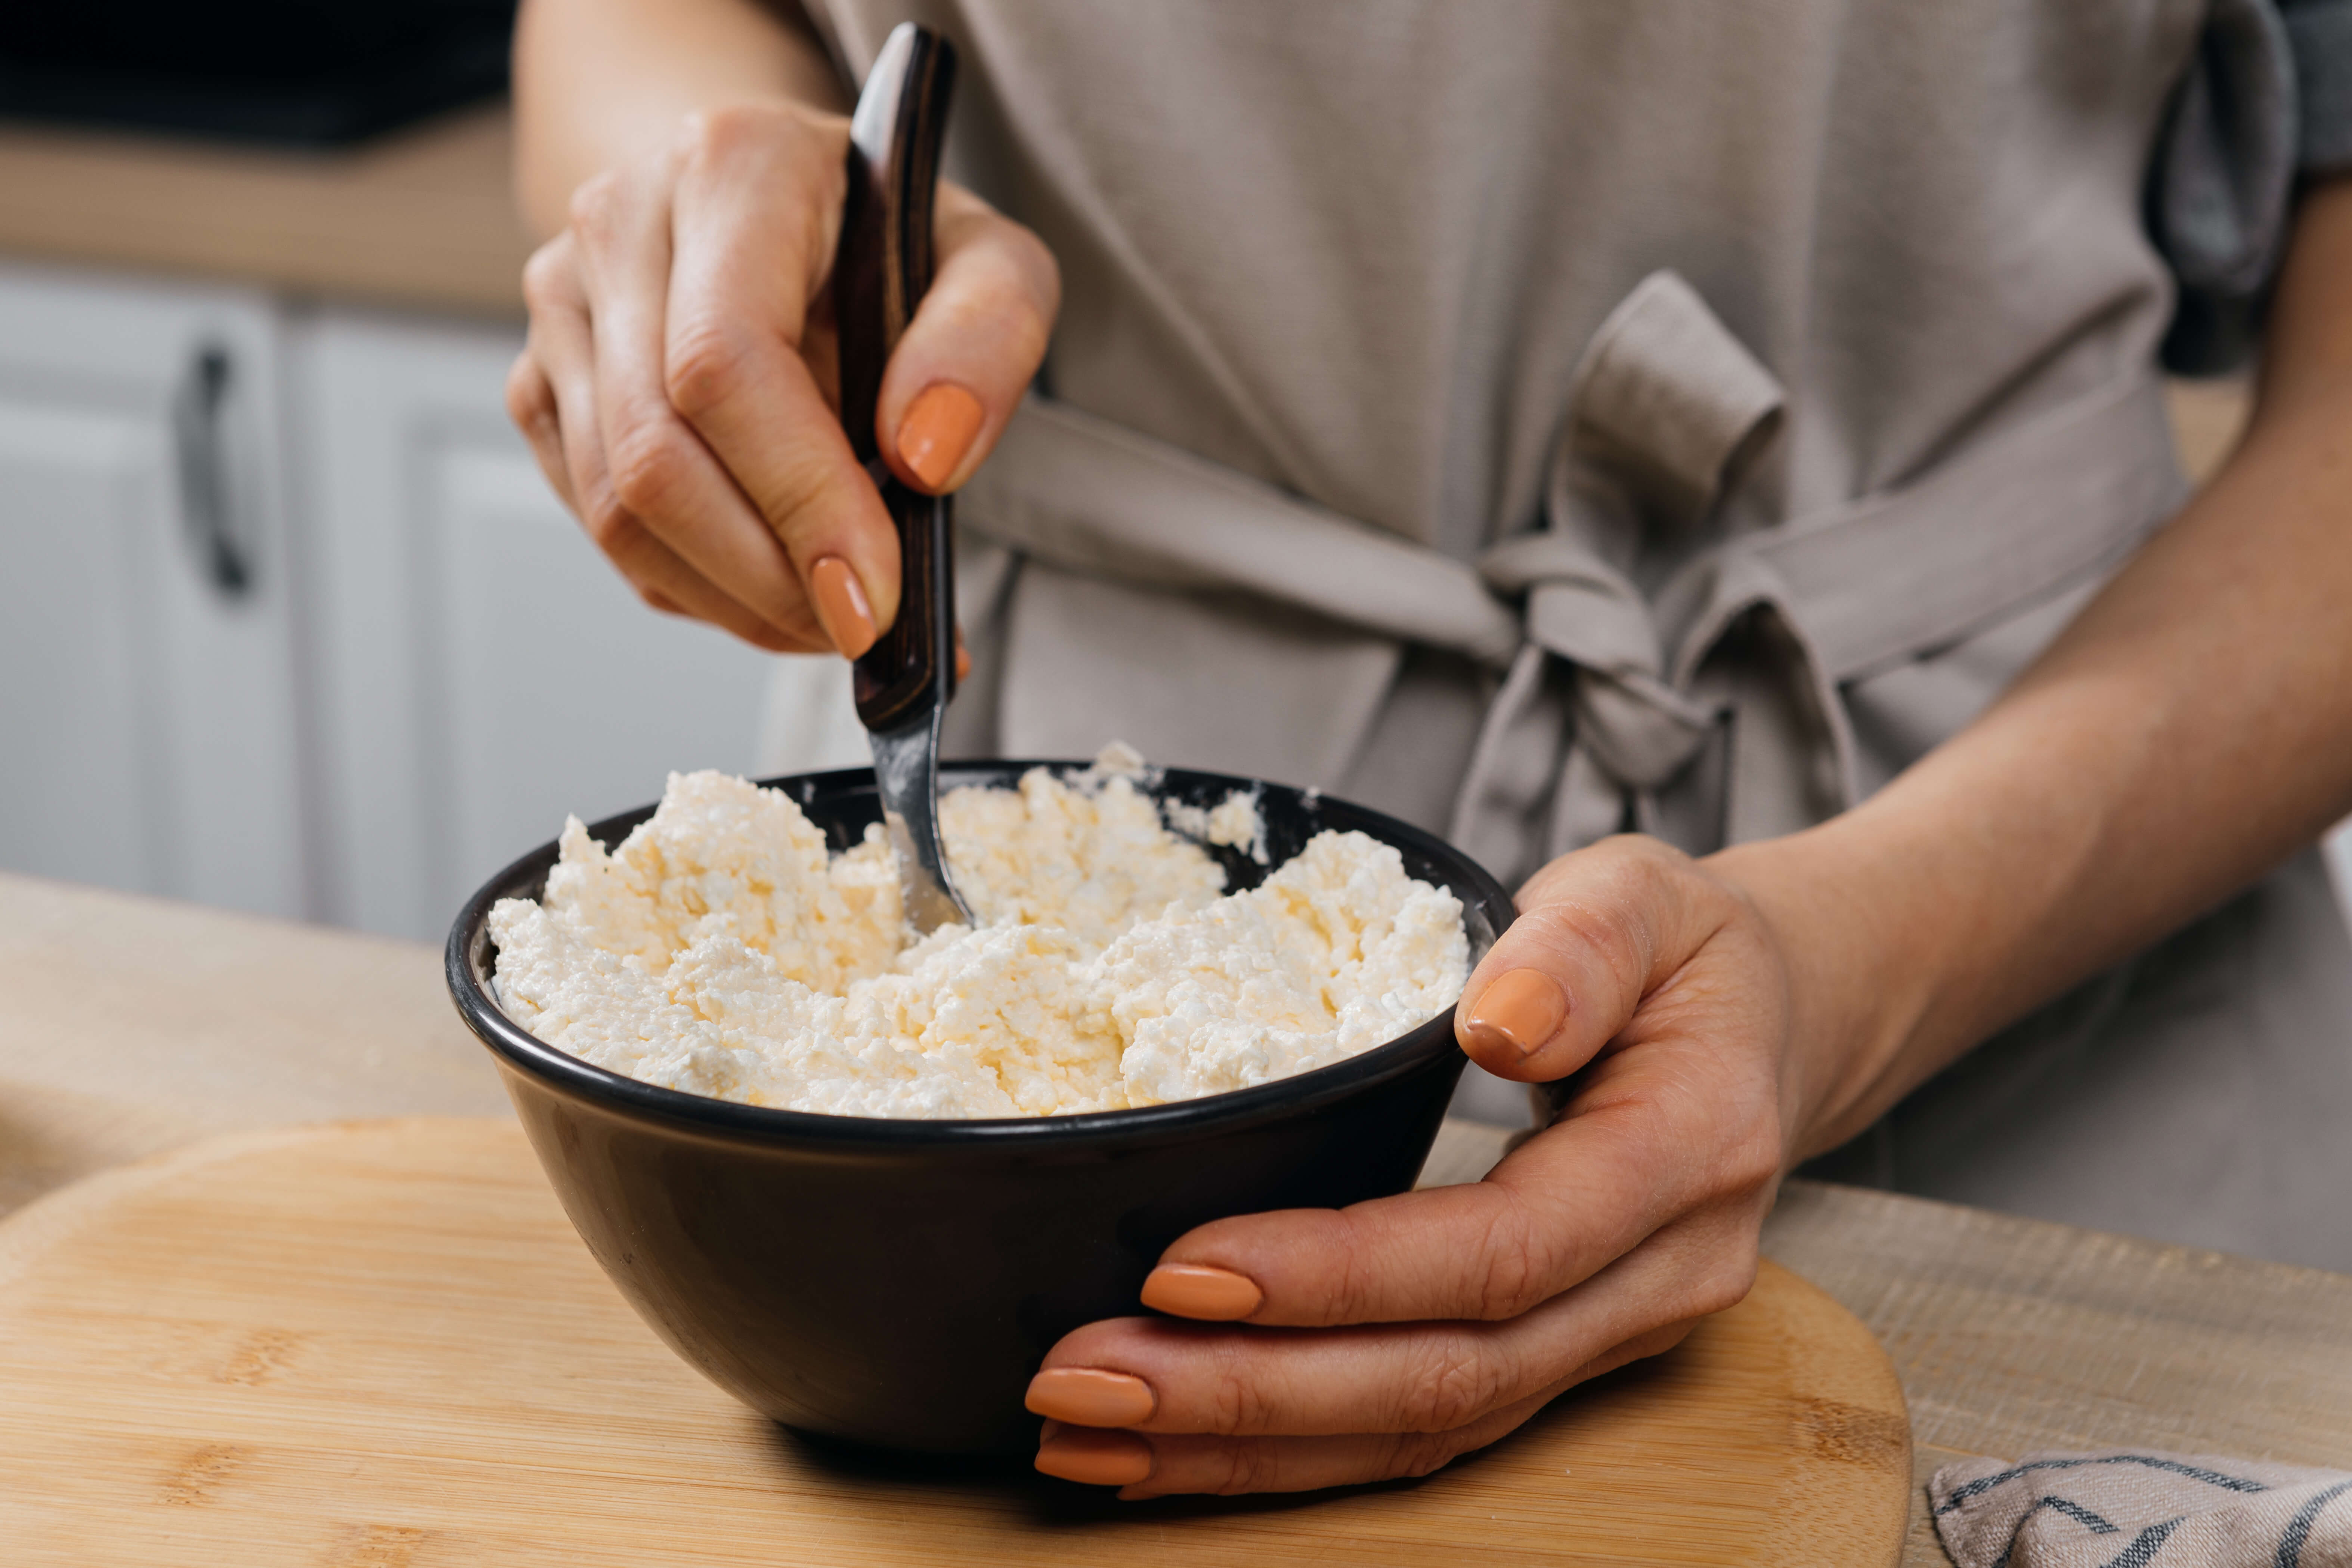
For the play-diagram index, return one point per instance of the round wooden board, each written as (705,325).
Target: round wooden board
(381,1345)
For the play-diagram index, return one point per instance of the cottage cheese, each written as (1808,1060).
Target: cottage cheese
(720,951)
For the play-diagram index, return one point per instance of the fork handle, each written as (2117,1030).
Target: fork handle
(881,271)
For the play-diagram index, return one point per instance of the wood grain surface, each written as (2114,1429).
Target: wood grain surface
(2013,1336)
(129,1026)
(380,1343)
(422,216)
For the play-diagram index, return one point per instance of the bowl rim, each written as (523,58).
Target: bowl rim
(518,1049)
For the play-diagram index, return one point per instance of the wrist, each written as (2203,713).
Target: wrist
(1859,978)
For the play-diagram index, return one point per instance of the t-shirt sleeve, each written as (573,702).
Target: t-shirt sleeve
(2265,100)
(2320,36)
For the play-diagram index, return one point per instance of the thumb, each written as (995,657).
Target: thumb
(1598,931)
(975,343)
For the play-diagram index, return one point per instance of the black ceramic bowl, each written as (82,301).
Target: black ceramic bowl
(894,1283)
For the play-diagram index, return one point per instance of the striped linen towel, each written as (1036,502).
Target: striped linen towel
(2138,1509)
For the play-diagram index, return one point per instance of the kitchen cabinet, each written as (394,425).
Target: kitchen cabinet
(148,709)
(292,623)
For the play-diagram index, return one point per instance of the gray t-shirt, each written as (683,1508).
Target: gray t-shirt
(2266,100)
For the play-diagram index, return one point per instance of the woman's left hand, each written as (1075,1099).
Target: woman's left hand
(1335,1346)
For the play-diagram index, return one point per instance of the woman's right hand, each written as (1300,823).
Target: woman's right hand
(679,385)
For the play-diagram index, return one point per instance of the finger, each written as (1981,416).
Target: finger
(1658,1135)
(531,403)
(975,343)
(1143,1467)
(757,205)
(1154,1376)
(660,469)
(1161,1465)
(560,348)
(1598,929)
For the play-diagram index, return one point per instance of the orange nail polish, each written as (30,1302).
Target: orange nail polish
(938,431)
(1096,1459)
(1197,1290)
(1089,1397)
(840,606)
(1517,1014)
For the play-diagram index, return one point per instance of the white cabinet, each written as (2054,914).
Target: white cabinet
(289,621)
(480,670)
(147,696)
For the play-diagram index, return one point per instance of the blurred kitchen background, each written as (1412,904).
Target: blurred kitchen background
(288,620)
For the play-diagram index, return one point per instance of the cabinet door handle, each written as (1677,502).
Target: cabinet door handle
(205,509)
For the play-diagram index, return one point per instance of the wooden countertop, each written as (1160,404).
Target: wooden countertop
(422,216)
(129,1025)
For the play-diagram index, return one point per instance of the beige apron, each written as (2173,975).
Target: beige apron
(1545,418)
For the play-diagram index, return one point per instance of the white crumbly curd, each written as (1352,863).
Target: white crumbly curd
(720,951)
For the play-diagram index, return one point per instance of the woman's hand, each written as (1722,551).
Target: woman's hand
(1385,1339)
(1723,1019)
(679,385)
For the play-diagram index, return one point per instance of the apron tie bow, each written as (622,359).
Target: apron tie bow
(1111,557)
(1663,401)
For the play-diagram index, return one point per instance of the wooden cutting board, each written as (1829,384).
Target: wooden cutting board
(381,1345)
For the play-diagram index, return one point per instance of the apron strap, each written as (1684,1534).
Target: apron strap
(1607,708)
(1882,578)
(1082,493)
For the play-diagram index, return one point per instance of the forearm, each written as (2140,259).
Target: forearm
(597,82)
(2190,729)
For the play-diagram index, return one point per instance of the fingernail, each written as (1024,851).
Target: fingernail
(1089,1397)
(937,432)
(1517,1013)
(963,660)
(1197,1290)
(841,606)
(1096,1459)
